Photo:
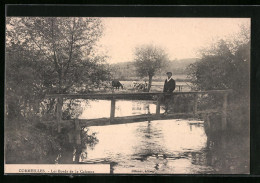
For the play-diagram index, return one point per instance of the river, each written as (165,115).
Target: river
(176,146)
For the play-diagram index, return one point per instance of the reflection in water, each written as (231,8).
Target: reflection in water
(161,146)
(101,108)
(226,154)
(149,147)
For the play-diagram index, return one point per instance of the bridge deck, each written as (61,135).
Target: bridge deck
(132,119)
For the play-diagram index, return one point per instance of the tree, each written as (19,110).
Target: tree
(51,55)
(64,47)
(45,55)
(149,59)
(226,65)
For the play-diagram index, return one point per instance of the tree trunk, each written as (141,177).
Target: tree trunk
(150,83)
(61,76)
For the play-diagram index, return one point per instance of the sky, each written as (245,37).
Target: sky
(180,37)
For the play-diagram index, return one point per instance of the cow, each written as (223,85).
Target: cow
(116,84)
(140,86)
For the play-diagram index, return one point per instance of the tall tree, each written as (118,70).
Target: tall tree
(149,59)
(64,46)
(45,55)
(51,55)
(226,66)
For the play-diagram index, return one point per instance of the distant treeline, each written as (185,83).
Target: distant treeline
(127,70)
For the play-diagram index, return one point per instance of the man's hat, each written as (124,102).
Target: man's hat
(169,73)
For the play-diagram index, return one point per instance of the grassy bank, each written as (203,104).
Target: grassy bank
(37,142)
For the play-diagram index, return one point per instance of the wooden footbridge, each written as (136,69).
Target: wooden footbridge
(112,120)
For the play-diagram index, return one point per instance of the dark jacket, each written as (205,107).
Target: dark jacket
(169,86)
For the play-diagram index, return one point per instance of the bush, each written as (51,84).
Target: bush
(30,143)
(226,66)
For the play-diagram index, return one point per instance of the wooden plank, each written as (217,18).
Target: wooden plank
(134,119)
(142,118)
(77,132)
(129,95)
(195,105)
(158,105)
(112,110)
(59,112)
(77,126)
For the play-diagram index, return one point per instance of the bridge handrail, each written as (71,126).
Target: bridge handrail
(122,95)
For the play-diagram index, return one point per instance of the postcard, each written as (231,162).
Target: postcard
(127,95)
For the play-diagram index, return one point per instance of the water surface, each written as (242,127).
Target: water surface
(176,146)
(150,147)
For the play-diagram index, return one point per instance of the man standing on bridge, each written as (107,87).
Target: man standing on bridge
(169,87)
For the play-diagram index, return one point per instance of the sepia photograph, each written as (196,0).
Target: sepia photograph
(127,95)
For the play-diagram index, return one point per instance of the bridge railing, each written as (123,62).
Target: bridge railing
(137,96)
(178,88)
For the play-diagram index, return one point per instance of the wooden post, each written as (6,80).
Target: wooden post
(224,112)
(74,134)
(59,112)
(112,109)
(158,105)
(77,132)
(195,105)
(208,120)
(70,134)
(77,126)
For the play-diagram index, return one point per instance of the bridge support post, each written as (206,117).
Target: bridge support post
(195,105)
(158,105)
(112,110)
(75,133)
(224,112)
(59,112)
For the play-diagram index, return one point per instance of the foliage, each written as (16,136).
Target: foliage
(72,109)
(149,59)
(226,66)
(50,55)
(62,47)
(90,138)
(46,55)
(127,70)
